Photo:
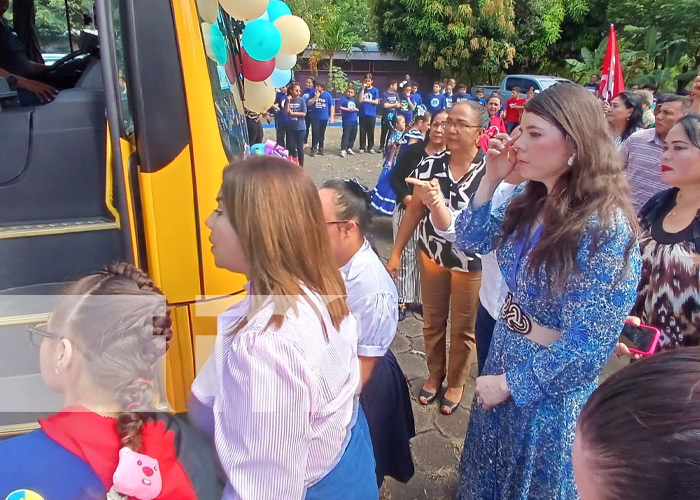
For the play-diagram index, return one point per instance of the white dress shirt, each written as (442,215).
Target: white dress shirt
(282,400)
(373,300)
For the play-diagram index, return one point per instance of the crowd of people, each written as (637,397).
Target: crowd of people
(532,239)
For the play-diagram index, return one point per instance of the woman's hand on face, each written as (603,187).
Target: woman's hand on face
(491,390)
(500,158)
(428,191)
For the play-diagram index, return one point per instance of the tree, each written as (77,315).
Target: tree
(449,36)
(334,26)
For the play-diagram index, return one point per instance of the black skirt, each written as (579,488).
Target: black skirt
(386,402)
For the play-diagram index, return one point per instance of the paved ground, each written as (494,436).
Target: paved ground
(438,444)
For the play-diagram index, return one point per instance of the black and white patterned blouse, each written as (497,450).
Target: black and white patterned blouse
(456,193)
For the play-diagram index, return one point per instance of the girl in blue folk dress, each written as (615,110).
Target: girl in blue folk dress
(383,198)
(567,249)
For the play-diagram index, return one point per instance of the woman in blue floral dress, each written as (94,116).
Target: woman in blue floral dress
(567,249)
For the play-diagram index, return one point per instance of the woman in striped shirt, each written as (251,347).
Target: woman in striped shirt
(279,394)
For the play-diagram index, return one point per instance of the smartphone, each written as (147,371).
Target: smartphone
(642,339)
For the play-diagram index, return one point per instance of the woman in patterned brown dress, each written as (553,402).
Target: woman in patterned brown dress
(668,296)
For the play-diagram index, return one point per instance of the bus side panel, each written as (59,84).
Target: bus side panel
(179,362)
(171,230)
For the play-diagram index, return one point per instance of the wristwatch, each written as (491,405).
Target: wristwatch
(12,82)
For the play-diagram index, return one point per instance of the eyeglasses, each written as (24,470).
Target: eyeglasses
(337,221)
(441,125)
(459,125)
(39,332)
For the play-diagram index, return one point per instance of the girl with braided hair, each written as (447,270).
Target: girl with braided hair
(101,348)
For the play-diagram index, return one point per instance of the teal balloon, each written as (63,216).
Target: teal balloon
(218,44)
(280,77)
(276,9)
(261,40)
(257,149)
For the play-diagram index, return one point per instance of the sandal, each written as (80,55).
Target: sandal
(428,396)
(452,406)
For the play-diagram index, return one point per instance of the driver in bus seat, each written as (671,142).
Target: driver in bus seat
(36,83)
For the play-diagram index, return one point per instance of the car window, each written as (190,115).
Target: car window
(523,83)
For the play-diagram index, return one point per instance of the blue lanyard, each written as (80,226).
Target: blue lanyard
(522,246)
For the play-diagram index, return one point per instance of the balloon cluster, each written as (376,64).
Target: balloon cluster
(271,39)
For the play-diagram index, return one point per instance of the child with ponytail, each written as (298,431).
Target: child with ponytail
(100,349)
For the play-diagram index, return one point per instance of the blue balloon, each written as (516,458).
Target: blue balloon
(280,77)
(218,44)
(257,149)
(276,9)
(261,40)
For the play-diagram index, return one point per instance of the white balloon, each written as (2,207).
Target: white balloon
(208,10)
(206,38)
(258,96)
(244,10)
(264,17)
(285,61)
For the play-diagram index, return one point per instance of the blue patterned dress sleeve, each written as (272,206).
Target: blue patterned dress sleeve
(478,229)
(593,310)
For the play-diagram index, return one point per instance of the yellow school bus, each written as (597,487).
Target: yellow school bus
(125,165)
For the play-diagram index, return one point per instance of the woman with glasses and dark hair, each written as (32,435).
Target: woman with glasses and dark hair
(372,299)
(101,349)
(405,269)
(450,278)
(625,116)
(638,435)
(568,250)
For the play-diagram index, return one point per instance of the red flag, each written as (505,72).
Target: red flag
(611,80)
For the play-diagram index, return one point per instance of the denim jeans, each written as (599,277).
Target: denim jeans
(295,144)
(349,135)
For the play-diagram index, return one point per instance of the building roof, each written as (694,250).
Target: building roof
(369,52)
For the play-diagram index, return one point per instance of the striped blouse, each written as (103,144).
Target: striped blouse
(281,400)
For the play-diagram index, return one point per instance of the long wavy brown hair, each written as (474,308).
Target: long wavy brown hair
(274,207)
(595,185)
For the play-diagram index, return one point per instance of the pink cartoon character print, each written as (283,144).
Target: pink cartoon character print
(137,476)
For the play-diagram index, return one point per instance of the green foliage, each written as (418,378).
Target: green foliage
(335,26)
(590,63)
(337,80)
(448,36)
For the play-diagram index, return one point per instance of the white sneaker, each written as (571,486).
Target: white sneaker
(362,151)
(372,151)
(350,152)
(343,154)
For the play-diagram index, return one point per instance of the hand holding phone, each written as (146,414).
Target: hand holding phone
(640,339)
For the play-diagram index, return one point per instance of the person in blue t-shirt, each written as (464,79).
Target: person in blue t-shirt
(481,97)
(349,110)
(449,96)
(296,122)
(281,116)
(309,92)
(322,110)
(391,103)
(435,102)
(408,105)
(369,100)
(462,94)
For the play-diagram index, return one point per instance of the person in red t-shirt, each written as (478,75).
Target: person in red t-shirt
(514,105)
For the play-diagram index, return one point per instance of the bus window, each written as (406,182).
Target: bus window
(127,119)
(227,93)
